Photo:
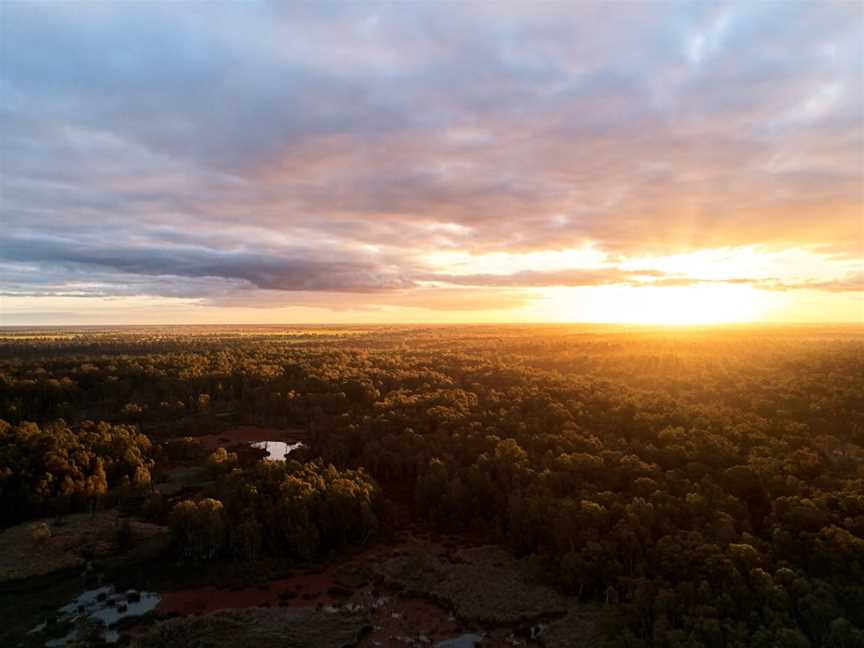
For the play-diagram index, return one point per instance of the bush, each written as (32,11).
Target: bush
(40,533)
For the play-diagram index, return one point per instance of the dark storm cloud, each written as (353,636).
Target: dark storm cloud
(329,147)
(293,270)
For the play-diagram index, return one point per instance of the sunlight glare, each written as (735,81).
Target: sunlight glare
(680,305)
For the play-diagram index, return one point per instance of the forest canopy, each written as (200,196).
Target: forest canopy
(710,482)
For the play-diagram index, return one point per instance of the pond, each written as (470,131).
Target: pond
(104,606)
(277,450)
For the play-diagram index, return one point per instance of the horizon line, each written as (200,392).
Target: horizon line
(763,324)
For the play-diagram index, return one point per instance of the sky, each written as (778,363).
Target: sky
(242,162)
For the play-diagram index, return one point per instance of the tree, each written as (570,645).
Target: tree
(199,528)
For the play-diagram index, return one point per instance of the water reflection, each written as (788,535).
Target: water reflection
(103,606)
(277,450)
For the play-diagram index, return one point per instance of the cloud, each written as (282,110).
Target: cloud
(448,298)
(292,269)
(851,282)
(215,150)
(538,279)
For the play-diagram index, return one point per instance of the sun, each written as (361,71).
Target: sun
(697,304)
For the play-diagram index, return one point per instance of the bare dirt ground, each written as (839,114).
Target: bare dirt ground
(482,585)
(412,593)
(77,539)
(404,621)
(301,590)
(485,587)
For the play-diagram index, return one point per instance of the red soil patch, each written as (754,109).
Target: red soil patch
(208,599)
(395,620)
(410,618)
(310,590)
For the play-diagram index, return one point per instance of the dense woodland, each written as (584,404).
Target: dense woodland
(708,483)
(278,508)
